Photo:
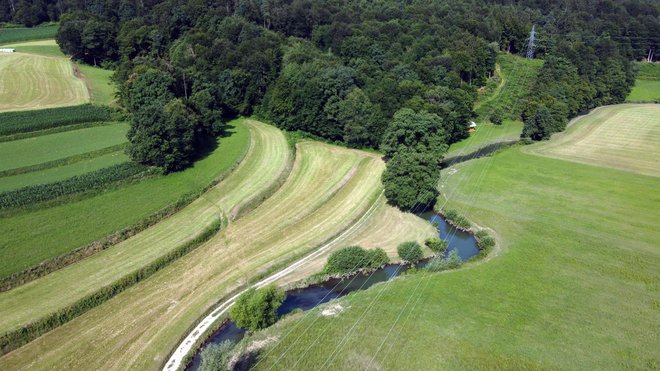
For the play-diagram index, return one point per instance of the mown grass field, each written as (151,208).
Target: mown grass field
(623,136)
(58,173)
(328,189)
(32,151)
(29,81)
(573,284)
(9,35)
(647,84)
(265,162)
(486,134)
(34,236)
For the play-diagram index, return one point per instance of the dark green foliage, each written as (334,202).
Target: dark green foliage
(496,117)
(12,340)
(81,183)
(411,180)
(458,220)
(354,258)
(410,252)
(420,132)
(452,261)
(27,121)
(484,240)
(150,88)
(257,309)
(215,357)
(165,136)
(437,245)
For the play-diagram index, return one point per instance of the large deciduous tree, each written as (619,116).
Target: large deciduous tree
(411,180)
(411,131)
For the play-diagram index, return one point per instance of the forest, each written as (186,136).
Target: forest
(398,76)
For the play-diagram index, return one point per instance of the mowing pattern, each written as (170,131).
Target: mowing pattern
(266,161)
(30,81)
(623,137)
(329,189)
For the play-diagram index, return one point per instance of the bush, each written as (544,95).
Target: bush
(215,357)
(353,258)
(437,245)
(80,183)
(496,117)
(457,219)
(410,252)
(27,121)
(450,262)
(484,240)
(257,309)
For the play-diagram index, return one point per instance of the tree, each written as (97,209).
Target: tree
(353,258)
(496,117)
(257,309)
(149,88)
(420,132)
(163,136)
(361,119)
(410,252)
(411,180)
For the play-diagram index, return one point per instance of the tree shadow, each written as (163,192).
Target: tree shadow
(208,144)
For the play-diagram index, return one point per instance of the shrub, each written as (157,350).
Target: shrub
(353,258)
(257,309)
(496,117)
(437,245)
(410,252)
(456,219)
(27,121)
(450,262)
(484,240)
(215,357)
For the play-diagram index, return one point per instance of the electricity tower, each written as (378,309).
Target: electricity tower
(530,45)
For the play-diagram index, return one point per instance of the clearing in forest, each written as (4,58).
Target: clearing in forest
(623,137)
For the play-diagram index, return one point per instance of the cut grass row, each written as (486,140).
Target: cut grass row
(36,236)
(329,188)
(264,164)
(575,285)
(29,81)
(47,148)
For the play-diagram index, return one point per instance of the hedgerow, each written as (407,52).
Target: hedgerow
(410,252)
(450,262)
(354,258)
(458,220)
(484,240)
(26,121)
(80,183)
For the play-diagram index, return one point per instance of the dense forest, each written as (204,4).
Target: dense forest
(400,76)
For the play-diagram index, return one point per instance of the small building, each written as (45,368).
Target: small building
(7,50)
(472,127)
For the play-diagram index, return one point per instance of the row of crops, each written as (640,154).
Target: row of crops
(29,121)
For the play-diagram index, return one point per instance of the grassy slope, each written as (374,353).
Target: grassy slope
(328,189)
(647,85)
(32,237)
(575,286)
(36,150)
(623,136)
(266,160)
(10,35)
(59,173)
(29,81)
(510,84)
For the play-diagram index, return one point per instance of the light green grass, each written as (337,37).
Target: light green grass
(59,173)
(102,89)
(9,35)
(48,48)
(513,78)
(624,136)
(328,189)
(32,237)
(486,134)
(647,85)
(30,81)
(32,151)
(574,284)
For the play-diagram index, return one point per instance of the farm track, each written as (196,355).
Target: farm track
(29,81)
(328,190)
(267,160)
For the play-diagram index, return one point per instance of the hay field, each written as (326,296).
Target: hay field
(267,159)
(29,81)
(623,137)
(329,188)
